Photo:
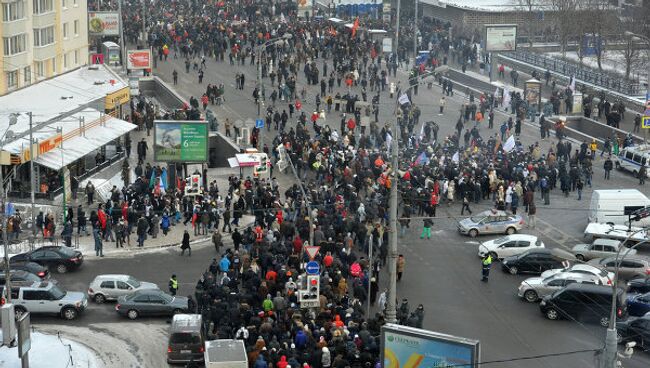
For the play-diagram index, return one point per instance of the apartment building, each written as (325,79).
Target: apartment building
(40,39)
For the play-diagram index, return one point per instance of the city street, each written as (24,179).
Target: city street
(442,274)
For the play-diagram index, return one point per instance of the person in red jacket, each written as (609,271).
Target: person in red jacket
(204,101)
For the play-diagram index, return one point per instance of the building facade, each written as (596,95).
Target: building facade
(41,39)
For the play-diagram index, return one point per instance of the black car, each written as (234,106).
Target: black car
(60,258)
(534,261)
(634,329)
(31,267)
(639,286)
(20,278)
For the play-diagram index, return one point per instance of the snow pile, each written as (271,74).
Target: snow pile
(50,351)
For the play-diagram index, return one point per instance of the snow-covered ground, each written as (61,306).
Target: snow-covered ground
(50,351)
(612,61)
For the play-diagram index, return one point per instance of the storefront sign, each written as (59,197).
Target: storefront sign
(180,141)
(117,98)
(50,144)
(138,59)
(104,23)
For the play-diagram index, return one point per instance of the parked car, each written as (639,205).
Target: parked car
(47,298)
(638,304)
(31,267)
(629,268)
(634,329)
(584,302)
(60,258)
(111,287)
(150,302)
(509,245)
(19,278)
(599,248)
(186,339)
(491,222)
(640,285)
(605,277)
(534,288)
(533,261)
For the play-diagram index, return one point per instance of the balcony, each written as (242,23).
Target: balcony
(16,61)
(15,27)
(43,20)
(44,52)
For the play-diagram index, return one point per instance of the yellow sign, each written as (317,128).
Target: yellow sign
(117,98)
(645,122)
(42,147)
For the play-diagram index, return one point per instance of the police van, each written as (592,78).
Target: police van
(631,158)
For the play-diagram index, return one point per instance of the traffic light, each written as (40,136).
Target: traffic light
(313,288)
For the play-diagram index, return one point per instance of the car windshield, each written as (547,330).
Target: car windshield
(550,278)
(57,293)
(500,240)
(184,338)
(133,282)
(67,252)
(167,298)
(477,219)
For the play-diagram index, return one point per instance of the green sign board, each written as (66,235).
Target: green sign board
(180,141)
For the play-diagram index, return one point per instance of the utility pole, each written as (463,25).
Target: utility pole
(4,232)
(259,94)
(415,35)
(144,24)
(32,177)
(122,44)
(391,302)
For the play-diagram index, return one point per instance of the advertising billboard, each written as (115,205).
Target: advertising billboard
(180,141)
(408,347)
(104,23)
(500,37)
(138,59)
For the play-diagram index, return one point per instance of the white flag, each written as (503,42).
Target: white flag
(506,97)
(510,144)
(282,19)
(422,131)
(456,157)
(572,84)
(403,99)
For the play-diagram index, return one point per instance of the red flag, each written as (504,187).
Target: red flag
(355,26)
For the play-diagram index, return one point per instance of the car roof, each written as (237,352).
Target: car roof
(584,267)
(148,292)
(574,275)
(602,289)
(493,213)
(117,277)
(522,237)
(606,241)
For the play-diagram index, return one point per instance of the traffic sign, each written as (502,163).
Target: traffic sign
(645,122)
(312,251)
(259,123)
(312,268)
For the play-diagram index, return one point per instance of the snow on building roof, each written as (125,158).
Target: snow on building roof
(58,96)
(487,5)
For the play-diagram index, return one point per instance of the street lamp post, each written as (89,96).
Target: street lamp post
(5,221)
(647,81)
(259,85)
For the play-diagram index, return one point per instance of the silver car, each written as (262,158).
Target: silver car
(491,222)
(599,248)
(535,288)
(111,287)
(629,267)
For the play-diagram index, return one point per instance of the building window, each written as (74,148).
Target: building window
(44,36)
(40,69)
(13,11)
(76,28)
(65,61)
(63,3)
(14,45)
(27,74)
(76,57)
(12,79)
(54,65)
(74,2)
(65,30)
(42,6)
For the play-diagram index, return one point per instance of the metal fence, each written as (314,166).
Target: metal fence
(611,81)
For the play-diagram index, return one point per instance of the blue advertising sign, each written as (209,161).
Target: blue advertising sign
(408,347)
(312,268)
(259,123)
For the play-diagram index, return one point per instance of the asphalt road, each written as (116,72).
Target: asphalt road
(442,274)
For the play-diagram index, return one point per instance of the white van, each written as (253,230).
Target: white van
(631,158)
(610,205)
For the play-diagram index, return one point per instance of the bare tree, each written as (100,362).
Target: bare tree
(531,22)
(564,17)
(597,20)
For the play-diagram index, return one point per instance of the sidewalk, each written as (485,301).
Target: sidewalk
(626,124)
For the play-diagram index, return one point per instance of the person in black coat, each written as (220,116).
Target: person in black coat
(185,244)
